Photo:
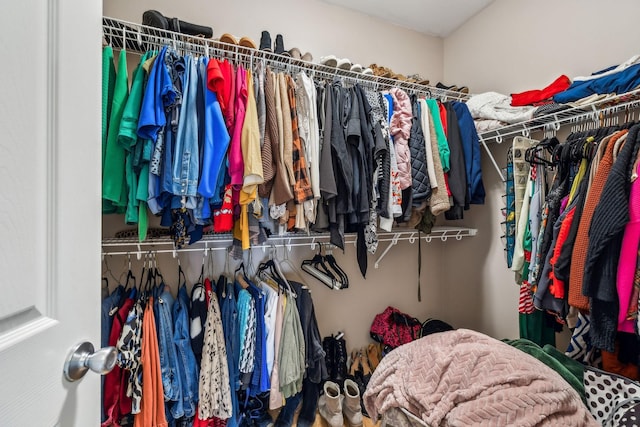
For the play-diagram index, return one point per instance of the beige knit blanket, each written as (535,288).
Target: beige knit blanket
(465,378)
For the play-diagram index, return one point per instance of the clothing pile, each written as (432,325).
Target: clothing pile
(222,357)
(493,110)
(213,146)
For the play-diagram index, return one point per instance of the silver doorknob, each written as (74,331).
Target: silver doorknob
(83,357)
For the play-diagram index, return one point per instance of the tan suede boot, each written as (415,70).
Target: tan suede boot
(352,410)
(330,404)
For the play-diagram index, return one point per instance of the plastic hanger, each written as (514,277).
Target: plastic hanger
(130,276)
(293,269)
(239,275)
(344,280)
(271,265)
(318,269)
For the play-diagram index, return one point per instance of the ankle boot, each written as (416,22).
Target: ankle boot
(279,47)
(329,345)
(340,360)
(351,408)
(330,404)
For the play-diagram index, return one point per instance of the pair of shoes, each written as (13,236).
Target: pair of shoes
(381,71)
(153,18)
(295,53)
(453,88)
(243,41)
(336,408)
(416,78)
(278,47)
(360,371)
(335,349)
(341,63)
(374,354)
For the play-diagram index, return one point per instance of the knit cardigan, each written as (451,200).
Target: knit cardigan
(580,246)
(605,239)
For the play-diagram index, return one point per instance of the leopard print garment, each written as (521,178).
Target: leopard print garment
(129,348)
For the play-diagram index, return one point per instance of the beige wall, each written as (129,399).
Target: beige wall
(516,45)
(310,25)
(512,46)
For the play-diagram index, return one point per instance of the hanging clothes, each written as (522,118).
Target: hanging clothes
(151,402)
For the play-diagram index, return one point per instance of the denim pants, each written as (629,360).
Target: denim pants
(187,367)
(310,396)
(285,418)
(168,355)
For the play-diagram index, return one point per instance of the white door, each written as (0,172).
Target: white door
(50,92)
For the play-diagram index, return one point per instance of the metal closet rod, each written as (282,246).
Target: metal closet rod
(137,38)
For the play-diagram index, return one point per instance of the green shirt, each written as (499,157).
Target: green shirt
(128,140)
(113,177)
(443,145)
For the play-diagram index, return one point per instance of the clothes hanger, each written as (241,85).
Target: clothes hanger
(344,280)
(239,275)
(293,269)
(130,275)
(271,265)
(318,269)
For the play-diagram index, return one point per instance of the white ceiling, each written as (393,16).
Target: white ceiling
(433,17)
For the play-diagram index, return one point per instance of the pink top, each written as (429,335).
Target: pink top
(628,258)
(236,163)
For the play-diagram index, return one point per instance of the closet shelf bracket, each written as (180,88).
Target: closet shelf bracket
(493,160)
(394,241)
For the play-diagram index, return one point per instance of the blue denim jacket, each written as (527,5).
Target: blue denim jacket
(171,384)
(185,168)
(187,367)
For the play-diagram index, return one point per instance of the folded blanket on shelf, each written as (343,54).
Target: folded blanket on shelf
(496,106)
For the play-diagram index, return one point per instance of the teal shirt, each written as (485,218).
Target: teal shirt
(443,145)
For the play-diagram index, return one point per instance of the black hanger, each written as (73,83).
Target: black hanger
(130,277)
(344,280)
(318,268)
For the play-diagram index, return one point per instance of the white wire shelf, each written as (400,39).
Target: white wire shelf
(139,38)
(591,111)
(132,247)
(595,112)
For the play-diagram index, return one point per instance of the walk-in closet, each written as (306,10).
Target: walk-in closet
(320,213)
